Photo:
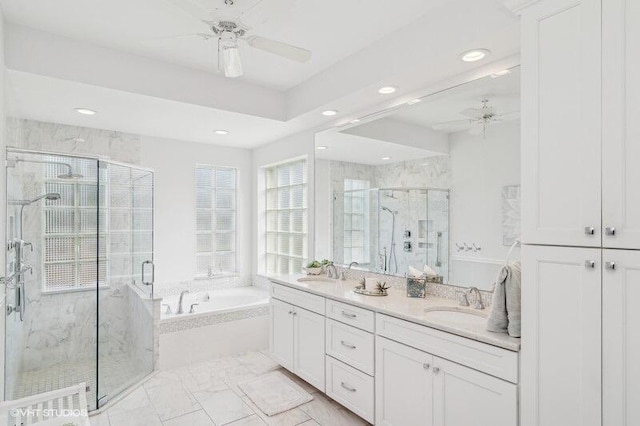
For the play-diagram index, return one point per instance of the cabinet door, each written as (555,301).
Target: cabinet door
(281,333)
(561,123)
(463,397)
(561,336)
(621,348)
(308,348)
(621,126)
(404,385)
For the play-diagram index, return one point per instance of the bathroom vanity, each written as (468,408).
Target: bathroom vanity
(395,360)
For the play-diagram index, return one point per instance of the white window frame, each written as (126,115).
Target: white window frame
(304,234)
(212,272)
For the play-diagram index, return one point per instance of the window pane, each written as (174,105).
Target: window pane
(203,198)
(225,178)
(225,241)
(225,221)
(204,243)
(204,176)
(225,199)
(283,221)
(203,220)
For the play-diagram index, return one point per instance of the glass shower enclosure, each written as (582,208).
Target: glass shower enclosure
(79,290)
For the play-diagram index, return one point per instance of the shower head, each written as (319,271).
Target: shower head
(68,175)
(387,209)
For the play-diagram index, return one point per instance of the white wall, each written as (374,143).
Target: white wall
(480,167)
(174,165)
(3,227)
(296,146)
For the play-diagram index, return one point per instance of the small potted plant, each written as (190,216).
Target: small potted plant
(313,268)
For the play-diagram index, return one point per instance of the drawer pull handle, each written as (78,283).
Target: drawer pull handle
(347,387)
(348,345)
(348,315)
(426,366)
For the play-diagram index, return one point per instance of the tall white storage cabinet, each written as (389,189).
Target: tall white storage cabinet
(581,213)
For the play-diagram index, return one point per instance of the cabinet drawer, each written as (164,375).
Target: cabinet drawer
(299,298)
(480,356)
(350,387)
(351,315)
(350,345)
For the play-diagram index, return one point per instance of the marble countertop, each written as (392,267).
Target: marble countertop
(398,305)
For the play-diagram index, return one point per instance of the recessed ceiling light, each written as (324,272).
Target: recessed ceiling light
(474,55)
(329,112)
(500,73)
(85,111)
(355,120)
(221,132)
(414,101)
(386,158)
(321,148)
(387,90)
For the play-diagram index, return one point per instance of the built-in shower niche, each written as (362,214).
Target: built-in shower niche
(88,312)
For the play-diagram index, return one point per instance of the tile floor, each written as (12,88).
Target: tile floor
(207,394)
(117,371)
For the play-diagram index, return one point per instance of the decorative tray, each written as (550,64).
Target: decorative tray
(370,292)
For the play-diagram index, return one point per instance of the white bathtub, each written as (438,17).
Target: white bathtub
(219,301)
(231,321)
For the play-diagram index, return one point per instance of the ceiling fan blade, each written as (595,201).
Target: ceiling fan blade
(281,49)
(508,116)
(456,125)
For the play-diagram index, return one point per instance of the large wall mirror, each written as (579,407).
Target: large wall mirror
(435,182)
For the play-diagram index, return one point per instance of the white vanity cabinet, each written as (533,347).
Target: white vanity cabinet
(297,333)
(415,387)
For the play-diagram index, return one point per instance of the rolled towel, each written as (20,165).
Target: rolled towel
(513,287)
(427,270)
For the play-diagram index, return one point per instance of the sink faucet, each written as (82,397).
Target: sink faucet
(478,302)
(353,263)
(180,311)
(335,271)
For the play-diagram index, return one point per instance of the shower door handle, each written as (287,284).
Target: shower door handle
(438,248)
(153,272)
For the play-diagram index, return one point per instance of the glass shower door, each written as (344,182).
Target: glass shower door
(125,306)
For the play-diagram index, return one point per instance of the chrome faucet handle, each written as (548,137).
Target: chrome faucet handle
(192,308)
(462,298)
(168,310)
(343,275)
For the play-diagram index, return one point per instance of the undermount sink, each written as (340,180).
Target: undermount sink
(315,279)
(456,315)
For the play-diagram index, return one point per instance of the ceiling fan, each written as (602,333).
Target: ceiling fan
(478,121)
(224,23)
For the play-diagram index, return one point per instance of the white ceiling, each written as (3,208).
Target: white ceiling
(331,29)
(502,92)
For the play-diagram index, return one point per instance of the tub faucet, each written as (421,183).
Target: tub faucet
(180,311)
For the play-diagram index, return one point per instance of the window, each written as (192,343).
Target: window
(286,217)
(215,220)
(356,221)
(70,228)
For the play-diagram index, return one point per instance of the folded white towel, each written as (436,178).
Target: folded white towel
(506,301)
(429,271)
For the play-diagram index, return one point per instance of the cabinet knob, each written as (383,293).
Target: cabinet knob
(610,230)
(426,366)
(436,370)
(589,230)
(610,265)
(290,312)
(590,264)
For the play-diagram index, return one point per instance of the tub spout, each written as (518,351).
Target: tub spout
(180,311)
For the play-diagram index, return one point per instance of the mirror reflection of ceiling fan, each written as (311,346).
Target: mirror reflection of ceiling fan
(223,17)
(478,121)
